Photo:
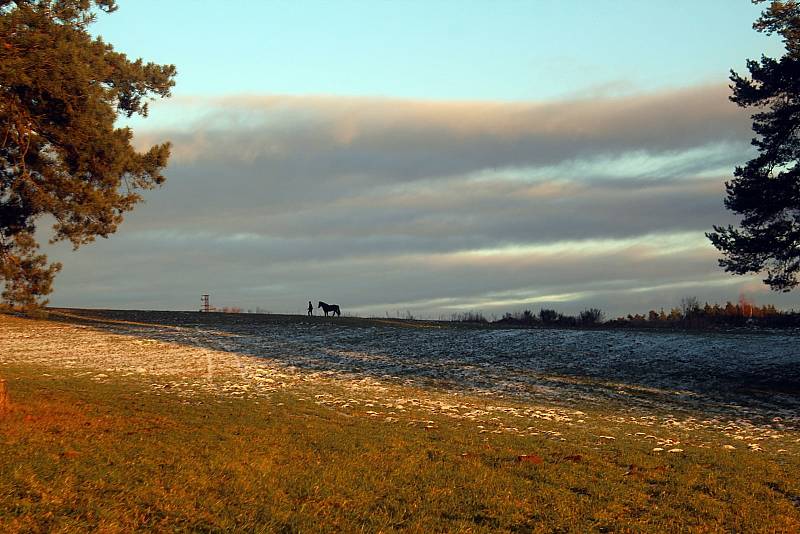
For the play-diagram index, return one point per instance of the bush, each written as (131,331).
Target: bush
(591,316)
(548,316)
(468,317)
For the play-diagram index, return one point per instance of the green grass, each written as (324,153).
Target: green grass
(78,455)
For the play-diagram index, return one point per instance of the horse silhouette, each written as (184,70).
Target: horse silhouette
(329,308)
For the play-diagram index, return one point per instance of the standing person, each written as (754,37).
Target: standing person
(310,308)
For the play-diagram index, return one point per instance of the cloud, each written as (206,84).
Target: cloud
(329,167)
(445,215)
(620,276)
(404,140)
(384,204)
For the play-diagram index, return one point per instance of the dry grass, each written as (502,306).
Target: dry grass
(117,454)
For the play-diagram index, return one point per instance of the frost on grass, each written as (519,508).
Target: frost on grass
(519,382)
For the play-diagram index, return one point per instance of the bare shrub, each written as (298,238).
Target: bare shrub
(591,316)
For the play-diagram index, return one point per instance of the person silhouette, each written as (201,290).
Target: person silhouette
(310,308)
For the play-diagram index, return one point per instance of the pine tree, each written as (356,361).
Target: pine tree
(60,154)
(766,190)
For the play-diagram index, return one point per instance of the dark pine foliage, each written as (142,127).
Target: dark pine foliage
(60,154)
(766,190)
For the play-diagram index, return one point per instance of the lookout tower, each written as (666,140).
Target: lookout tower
(206,305)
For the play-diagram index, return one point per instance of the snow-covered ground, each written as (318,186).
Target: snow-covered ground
(741,387)
(755,375)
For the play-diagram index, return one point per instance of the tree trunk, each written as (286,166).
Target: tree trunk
(5,401)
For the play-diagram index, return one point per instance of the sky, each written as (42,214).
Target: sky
(431,158)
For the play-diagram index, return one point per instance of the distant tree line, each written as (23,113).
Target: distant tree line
(690,314)
(548,317)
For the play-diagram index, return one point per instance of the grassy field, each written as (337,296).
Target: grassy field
(117,454)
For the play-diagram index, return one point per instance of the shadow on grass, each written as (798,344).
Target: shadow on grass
(744,374)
